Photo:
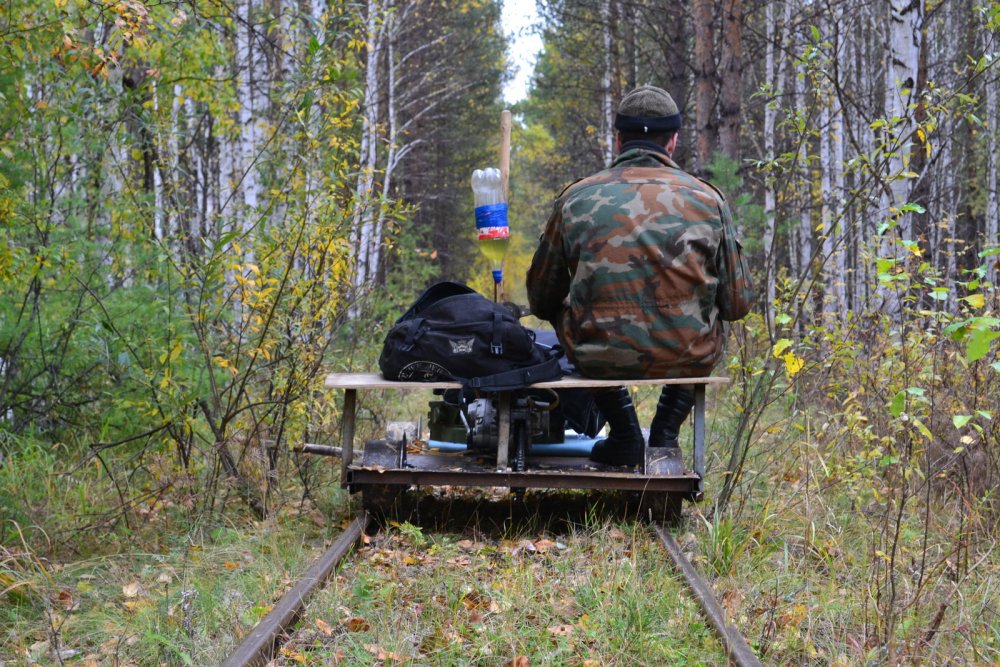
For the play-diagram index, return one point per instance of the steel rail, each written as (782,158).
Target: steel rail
(257,648)
(739,651)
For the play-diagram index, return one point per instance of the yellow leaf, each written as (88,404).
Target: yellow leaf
(293,655)
(793,363)
(131,590)
(975,300)
(324,627)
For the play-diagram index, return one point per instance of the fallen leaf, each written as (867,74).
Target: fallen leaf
(383,655)
(616,534)
(293,655)
(357,624)
(544,545)
(66,600)
(465,545)
(230,565)
(131,590)
(324,627)
(560,630)
(475,600)
(731,600)
(524,545)
(519,661)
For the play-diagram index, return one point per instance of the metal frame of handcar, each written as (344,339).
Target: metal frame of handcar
(662,472)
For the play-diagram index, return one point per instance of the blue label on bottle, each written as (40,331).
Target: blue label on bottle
(491,215)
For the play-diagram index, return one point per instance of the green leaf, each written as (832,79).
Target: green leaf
(911,207)
(957,331)
(924,431)
(985,414)
(978,344)
(961,420)
(897,404)
(916,391)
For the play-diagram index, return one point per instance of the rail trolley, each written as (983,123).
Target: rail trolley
(504,440)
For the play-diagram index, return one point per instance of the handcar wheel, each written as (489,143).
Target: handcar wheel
(661,507)
(381,500)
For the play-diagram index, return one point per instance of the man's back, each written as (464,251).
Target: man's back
(641,245)
(636,269)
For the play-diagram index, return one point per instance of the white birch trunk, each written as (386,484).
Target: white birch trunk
(392,30)
(606,101)
(250,115)
(840,216)
(992,226)
(364,221)
(773,75)
(158,204)
(901,61)
(864,244)
(828,210)
(832,162)
(804,231)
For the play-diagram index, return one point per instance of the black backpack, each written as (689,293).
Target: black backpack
(454,333)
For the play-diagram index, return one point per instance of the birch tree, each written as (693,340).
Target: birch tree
(366,242)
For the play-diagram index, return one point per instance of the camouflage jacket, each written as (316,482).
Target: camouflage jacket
(636,269)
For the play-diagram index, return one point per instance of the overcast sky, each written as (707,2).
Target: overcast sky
(525,43)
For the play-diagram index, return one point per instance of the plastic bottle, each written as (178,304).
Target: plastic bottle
(491,218)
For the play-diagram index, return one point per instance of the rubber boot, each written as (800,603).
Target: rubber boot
(672,409)
(624,445)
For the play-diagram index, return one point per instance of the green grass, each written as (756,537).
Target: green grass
(597,594)
(805,560)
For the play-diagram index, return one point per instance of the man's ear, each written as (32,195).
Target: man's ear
(672,144)
(618,142)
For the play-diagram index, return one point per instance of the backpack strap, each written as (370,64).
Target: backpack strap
(517,378)
(414,330)
(496,344)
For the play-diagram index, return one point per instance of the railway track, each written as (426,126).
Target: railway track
(258,647)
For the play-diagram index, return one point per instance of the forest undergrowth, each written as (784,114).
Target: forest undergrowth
(859,528)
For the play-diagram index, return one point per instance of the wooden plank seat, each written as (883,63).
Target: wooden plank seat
(387,464)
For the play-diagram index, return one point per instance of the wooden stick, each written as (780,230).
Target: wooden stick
(505,152)
(504,178)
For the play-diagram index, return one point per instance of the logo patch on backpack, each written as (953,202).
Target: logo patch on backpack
(462,346)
